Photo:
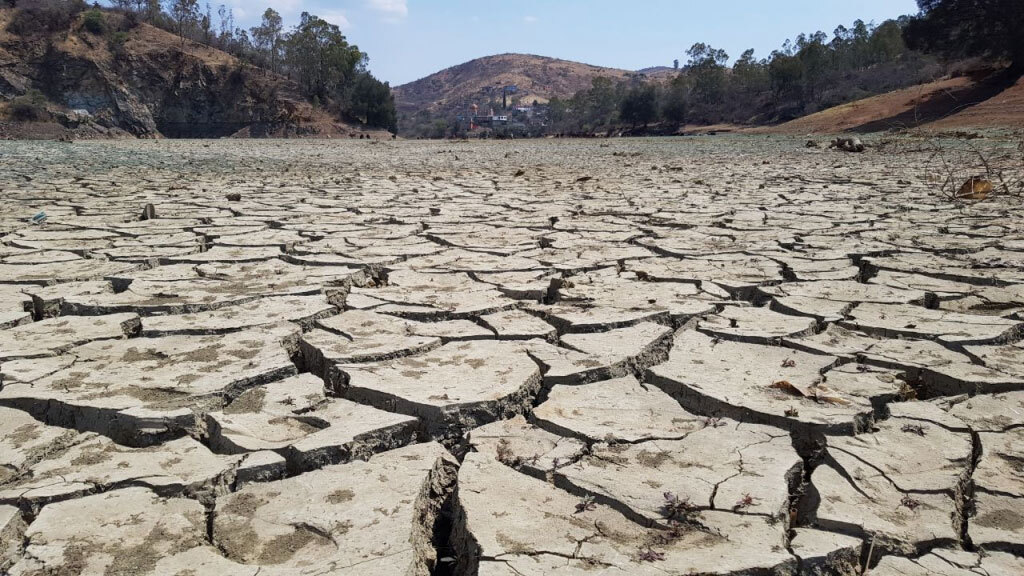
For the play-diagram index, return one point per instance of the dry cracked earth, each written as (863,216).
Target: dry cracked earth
(728,356)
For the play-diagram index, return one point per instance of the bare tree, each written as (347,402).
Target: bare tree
(227,26)
(206,24)
(185,14)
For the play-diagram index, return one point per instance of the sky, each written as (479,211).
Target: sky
(410,39)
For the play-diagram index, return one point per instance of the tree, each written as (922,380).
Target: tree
(94,21)
(373,104)
(438,130)
(267,37)
(227,25)
(241,45)
(707,67)
(786,73)
(886,42)
(136,6)
(321,57)
(185,14)
(151,10)
(559,114)
(600,103)
(640,106)
(674,107)
(957,28)
(126,5)
(29,107)
(815,60)
(749,73)
(206,25)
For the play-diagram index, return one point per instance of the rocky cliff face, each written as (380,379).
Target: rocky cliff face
(145,82)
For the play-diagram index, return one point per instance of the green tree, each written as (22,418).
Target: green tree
(438,129)
(321,57)
(601,103)
(886,42)
(560,115)
(373,104)
(29,107)
(992,29)
(708,76)
(786,72)
(185,14)
(674,107)
(267,37)
(640,106)
(815,59)
(94,22)
(749,73)
(707,68)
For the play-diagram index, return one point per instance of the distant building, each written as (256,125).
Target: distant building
(495,120)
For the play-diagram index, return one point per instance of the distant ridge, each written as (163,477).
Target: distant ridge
(537,78)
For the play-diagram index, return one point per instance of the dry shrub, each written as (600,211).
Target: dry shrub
(967,168)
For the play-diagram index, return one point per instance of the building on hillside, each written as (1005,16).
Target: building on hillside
(495,120)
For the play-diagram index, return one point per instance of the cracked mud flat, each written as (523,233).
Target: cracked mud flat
(729,356)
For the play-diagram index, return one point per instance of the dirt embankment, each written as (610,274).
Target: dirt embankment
(983,99)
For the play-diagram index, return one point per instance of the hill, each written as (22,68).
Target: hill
(481,81)
(659,72)
(983,98)
(136,80)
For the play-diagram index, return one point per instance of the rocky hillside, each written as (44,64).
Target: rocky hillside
(132,79)
(536,77)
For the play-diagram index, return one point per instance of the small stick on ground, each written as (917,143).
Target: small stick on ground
(867,561)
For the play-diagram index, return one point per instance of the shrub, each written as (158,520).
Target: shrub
(130,21)
(29,107)
(116,43)
(94,22)
(40,16)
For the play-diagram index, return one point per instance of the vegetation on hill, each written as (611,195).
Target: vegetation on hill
(428,107)
(802,77)
(330,71)
(314,58)
(813,73)
(990,29)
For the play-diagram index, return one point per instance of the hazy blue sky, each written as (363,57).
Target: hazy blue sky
(409,39)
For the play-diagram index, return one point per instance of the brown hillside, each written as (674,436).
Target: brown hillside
(1004,110)
(537,78)
(983,99)
(146,83)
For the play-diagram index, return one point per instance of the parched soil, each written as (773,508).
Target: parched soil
(726,355)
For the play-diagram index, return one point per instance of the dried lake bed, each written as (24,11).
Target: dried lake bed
(722,355)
